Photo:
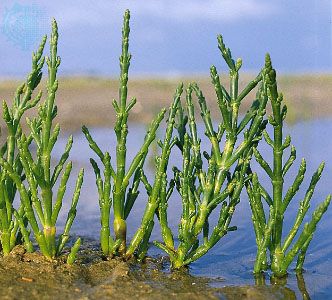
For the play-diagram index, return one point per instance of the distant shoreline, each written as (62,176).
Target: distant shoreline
(87,100)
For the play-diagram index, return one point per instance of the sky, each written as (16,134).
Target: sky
(169,38)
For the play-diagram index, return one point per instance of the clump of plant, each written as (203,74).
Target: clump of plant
(269,225)
(215,184)
(207,182)
(40,201)
(13,230)
(158,194)
(113,184)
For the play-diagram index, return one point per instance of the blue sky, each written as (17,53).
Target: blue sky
(171,37)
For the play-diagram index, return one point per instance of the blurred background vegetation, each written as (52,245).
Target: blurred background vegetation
(171,41)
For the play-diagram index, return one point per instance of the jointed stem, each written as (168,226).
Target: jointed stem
(12,115)
(37,196)
(202,191)
(120,177)
(269,232)
(155,197)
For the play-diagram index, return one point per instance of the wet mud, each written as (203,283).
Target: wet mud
(31,276)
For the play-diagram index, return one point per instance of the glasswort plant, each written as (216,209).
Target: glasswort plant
(208,183)
(37,197)
(157,193)
(203,190)
(269,228)
(119,195)
(11,231)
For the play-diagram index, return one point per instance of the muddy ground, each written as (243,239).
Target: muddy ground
(31,276)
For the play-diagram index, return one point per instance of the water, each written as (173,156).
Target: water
(231,261)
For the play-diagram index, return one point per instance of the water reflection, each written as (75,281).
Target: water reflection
(232,258)
(261,280)
(301,286)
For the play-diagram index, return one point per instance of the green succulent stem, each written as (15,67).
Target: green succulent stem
(113,186)
(219,186)
(37,192)
(269,230)
(73,252)
(23,101)
(143,232)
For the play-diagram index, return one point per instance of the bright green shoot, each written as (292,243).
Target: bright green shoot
(206,187)
(269,228)
(11,234)
(157,193)
(40,202)
(113,185)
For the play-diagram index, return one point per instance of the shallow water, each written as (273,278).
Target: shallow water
(230,262)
